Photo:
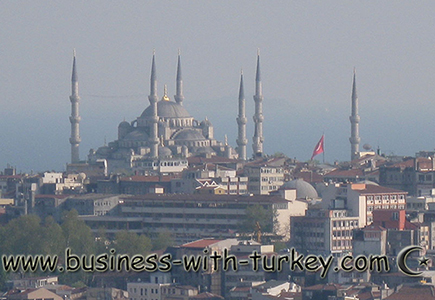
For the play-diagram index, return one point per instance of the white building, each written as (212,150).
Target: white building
(361,199)
(160,287)
(265,176)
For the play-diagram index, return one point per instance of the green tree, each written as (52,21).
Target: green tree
(101,241)
(52,237)
(257,214)
(3,275)
(163,241)
(23,236)
(78,236)
(131,243)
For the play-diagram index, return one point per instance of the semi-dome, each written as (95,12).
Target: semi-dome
(205,150)
(189,134)
(303,188)
(137,135)
(167,109)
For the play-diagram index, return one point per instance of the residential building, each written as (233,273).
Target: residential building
(362,199)
(192,217)
(31,294)
(135,184)
(210,280)
(323,231)
(265,175)
(210,175)
(160,287)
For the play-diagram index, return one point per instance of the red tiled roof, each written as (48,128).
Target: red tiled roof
(52,196)
(377,189)
(345,173)
(241,289)
(417,292)
(374,227)
(308,176)
(200,243)
(424,163)
(324,287)
(206,295)
(272,162)
(140,178)
(207,197)
(11,176)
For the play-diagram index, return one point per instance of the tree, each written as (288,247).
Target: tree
(131,243)
(23,236)
(52,235)
(163,241)
(78,236)
(101,241)
(256,215)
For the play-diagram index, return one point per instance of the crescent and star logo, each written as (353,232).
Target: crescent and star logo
(403,255)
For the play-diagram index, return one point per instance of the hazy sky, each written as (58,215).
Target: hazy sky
(308,52)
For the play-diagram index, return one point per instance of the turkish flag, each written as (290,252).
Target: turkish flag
(319,148)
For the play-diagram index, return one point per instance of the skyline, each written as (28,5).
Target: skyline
(308,53)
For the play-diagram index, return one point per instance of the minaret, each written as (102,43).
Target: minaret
(153,98)
(179,93)
(354,121)
(75,118)
(241,121)
(257,142)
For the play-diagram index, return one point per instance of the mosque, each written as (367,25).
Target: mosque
(165,134)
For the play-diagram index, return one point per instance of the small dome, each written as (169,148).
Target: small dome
(81,176)
(103,151)
(167,109)
(190,135)
(124,124)
(164,152)
(303,188)
(206,122)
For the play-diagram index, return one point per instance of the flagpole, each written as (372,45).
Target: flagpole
(323,148)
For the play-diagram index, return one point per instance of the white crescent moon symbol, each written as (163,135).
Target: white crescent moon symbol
(401,260)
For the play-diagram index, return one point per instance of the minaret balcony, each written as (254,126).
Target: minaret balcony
(258,118)
(242,121)
(74,98)
(75,119)
(354,119)
(354,140)
(242,142)
(75,140)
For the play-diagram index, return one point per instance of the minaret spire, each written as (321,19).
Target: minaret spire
(179,98)
(354,122)
(75,117)
(241,122)
(257,143)
(153,98)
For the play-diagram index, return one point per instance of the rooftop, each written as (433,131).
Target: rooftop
(201,243)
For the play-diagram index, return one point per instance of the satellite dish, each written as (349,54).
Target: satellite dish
(367,147)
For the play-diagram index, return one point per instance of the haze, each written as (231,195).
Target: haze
(308,52)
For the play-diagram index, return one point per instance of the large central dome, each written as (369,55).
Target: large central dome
(167,109)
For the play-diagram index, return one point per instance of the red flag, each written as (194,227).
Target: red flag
(319,148)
